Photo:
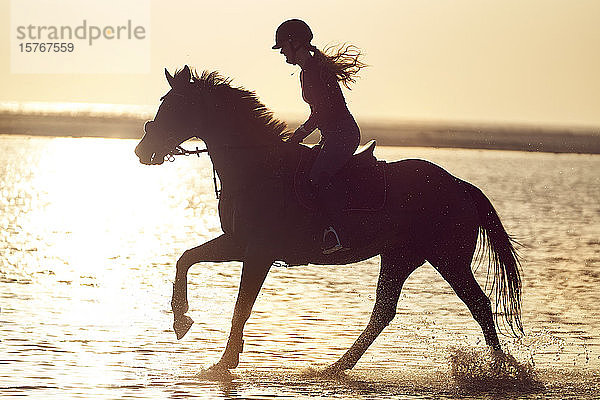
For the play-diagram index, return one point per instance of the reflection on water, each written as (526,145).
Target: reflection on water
(88,242)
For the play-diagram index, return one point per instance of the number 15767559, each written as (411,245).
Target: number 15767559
(47,47)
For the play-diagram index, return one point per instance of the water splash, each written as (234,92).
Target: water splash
(489,370)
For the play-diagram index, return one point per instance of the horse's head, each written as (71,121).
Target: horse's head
(174,123)
(209,108)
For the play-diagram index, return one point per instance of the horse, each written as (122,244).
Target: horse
(428,215)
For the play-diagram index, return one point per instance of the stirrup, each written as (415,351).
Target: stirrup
(337,246)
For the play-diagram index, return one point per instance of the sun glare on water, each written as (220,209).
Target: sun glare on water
(98,219)
(94,193)
(95,234)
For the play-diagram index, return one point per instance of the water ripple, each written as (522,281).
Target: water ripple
(88,259)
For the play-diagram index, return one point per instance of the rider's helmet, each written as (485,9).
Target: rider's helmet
(293,29)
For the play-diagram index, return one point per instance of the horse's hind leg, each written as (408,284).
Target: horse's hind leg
(453,261)
(396,266)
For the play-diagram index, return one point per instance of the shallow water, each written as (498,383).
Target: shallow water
(88,242)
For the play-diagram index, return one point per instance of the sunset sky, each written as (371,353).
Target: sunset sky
(532,61)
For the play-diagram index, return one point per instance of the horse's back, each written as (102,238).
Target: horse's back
(418,175)
(419,165)
(424,191)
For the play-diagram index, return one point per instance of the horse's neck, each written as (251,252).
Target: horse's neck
(240,165)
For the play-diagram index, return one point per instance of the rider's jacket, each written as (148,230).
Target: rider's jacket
(321,90)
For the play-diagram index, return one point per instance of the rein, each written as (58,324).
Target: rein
(180,151)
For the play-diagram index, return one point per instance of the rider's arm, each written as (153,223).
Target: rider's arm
(324,92)
(300,134)
(311,123)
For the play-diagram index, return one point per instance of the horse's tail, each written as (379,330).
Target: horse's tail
(503,261)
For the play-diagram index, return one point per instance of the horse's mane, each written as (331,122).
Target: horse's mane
(244,104)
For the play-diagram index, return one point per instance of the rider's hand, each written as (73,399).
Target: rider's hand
(299,134)
(294,140)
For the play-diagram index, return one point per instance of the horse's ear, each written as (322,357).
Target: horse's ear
(169,78)
(186,75)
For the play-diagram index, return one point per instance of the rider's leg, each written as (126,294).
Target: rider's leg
(331,204)
(337,149)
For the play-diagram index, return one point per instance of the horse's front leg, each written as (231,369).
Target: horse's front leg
(220,249)
(254,272)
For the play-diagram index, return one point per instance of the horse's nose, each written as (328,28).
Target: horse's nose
(140,149)
(137,150)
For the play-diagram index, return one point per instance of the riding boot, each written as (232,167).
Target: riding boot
(331,208)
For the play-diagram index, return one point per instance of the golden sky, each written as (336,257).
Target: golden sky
(532,61)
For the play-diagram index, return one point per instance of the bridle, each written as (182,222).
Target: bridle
(178,150)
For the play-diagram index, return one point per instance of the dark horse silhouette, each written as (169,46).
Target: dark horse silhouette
(428,215)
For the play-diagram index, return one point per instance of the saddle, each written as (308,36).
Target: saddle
(361,182)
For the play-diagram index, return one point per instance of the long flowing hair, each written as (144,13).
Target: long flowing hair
(343,61)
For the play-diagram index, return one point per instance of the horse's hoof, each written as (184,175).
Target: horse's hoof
(221,367)
(227,362)
(182,325)
(333,370)
(215,374)
(218,367)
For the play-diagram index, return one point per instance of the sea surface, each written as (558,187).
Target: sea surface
(88,242)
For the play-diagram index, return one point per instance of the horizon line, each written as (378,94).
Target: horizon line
(118,110)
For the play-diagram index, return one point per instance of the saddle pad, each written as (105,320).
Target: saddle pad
(363,186)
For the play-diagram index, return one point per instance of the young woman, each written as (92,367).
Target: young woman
(340,135)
